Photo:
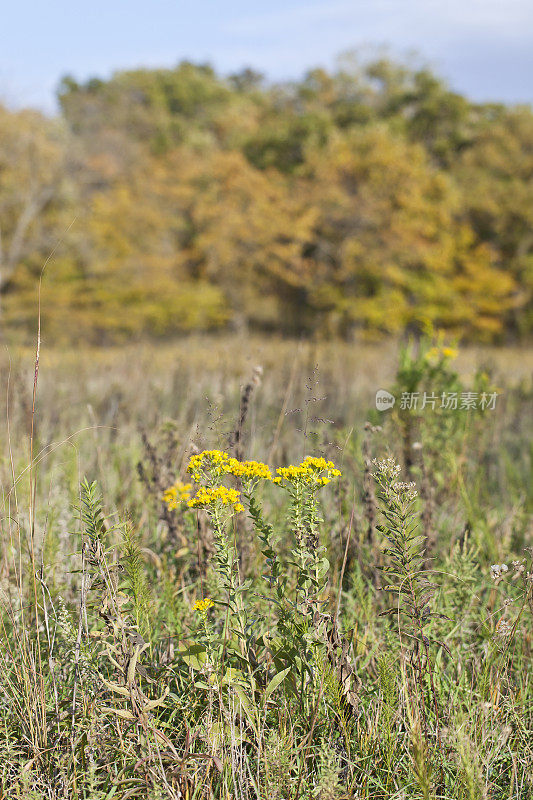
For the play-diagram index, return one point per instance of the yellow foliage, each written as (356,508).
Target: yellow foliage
(179,202)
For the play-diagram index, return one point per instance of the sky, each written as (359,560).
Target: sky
(483,48)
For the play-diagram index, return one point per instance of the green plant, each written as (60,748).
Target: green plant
(409,583)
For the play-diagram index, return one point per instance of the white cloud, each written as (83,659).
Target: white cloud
(510,18)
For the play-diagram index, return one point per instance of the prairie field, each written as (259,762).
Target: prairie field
(266,316)
(226,574)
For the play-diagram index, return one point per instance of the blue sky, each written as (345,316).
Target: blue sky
(483,47)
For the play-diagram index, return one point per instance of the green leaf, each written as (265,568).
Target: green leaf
(247,707)
(151,704)
(275,682)
(195,656)
(232,676)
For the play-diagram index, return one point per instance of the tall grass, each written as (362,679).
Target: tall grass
(265,630)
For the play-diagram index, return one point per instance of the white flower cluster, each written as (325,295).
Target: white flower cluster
(497,571)
(407,490)
(386,474)
(387,468)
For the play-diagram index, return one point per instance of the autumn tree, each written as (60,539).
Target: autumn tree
(391,248)
(495,177)
(33,187)
(365,200)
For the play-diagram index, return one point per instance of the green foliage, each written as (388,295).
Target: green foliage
(367,200)
(136,580)
(91,512)
(244,648)
(409,582)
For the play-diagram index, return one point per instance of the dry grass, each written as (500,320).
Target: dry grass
(113,686)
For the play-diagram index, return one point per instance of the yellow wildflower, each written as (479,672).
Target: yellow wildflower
(449,352)
(220,496)
(177,494)
(440,353)
(248,469)
(210,462)
(214,463)
(311,471)
(202,606)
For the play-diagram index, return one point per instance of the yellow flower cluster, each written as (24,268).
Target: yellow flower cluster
(219,496)
(249,469)
(203,605)
(177,493)
(211,464)
(216,463)
(312,470)
(440,353)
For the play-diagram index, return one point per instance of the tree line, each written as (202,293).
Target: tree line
(362,201)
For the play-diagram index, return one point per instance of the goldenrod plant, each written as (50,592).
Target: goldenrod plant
(142,656)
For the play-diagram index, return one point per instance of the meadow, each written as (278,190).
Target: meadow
(225,574)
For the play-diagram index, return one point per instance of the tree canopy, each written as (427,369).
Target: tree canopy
(362,201)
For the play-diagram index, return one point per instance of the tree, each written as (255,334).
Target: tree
(161,108)
(495,175)
(369,199)
(245,230)
(390,247)
(33,155)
